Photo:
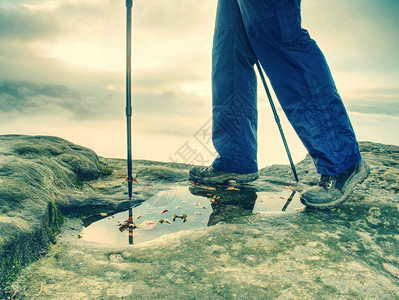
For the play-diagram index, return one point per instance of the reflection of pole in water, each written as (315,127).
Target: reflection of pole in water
(130,226)
(289,200)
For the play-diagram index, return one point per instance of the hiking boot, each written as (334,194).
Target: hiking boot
(210,175)
(334,190)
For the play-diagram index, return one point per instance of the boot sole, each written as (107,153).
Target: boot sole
(355,179)
(224,179)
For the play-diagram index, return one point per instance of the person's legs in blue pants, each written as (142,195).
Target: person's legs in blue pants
(234,102)
(234,92)
(270,31)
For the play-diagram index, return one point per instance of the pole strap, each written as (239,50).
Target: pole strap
(127,179)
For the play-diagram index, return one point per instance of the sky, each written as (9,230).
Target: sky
(62,72)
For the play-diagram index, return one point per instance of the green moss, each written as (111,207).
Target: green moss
(104,169)
(11,263)
(55,217)
(79,184)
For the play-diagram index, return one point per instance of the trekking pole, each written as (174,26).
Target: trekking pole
(129,4)
(276,117)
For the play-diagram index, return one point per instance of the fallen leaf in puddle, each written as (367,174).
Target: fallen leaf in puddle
(103,214)
(197,204)
(165,221)
(138,217)
(183,217)
(125,226)
(178,207)
(146,225)
(80,235)
(213,201)
(166,210)
(197,213)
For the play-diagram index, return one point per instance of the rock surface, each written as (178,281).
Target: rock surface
(43,178)
(350,252)
(33,172)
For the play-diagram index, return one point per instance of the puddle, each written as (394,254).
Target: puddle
(186,208)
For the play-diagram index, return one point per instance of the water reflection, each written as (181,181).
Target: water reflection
(227,204)
(131,226)
(187,208)
(289,200)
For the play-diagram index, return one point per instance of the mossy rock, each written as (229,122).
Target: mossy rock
(32,170)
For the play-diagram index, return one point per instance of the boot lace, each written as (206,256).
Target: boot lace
(325,181)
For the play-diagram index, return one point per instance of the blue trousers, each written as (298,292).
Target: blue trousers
(270,31)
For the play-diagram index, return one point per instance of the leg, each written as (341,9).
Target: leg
(302,81)
(233,93)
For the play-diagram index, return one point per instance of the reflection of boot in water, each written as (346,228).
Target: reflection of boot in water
(227,204)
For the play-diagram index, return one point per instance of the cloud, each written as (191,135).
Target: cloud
(90,35)
(18,99)
(389,94)
(170,104)
(23,25)
(380,108)
(22,98)
(381,101)
(355,35)
(34,98)
(179,16)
